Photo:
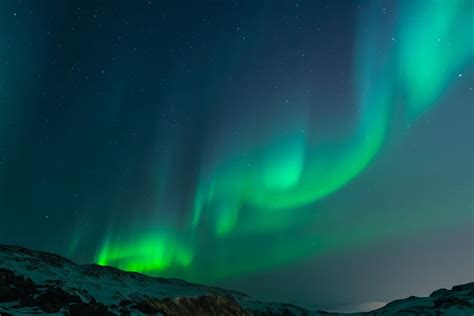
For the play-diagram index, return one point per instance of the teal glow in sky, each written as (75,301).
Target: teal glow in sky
(247,139)
(271,178)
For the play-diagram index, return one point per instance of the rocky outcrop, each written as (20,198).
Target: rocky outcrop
(457,301)
(28,297)
(44,298)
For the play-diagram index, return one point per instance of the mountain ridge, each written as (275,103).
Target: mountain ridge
(33,282)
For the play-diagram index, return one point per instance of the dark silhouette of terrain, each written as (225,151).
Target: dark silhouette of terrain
(35,282)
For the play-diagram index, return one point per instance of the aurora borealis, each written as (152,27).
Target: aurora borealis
(223,142)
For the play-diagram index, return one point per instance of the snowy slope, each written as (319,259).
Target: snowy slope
(114,287)
(37,282)
(458,301)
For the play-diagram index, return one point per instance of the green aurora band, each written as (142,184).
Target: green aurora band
(249,199)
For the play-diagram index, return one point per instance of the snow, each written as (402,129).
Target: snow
(110,286)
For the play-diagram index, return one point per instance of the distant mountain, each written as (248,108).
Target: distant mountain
(35,282)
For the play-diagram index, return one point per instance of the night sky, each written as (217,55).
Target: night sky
(314,152)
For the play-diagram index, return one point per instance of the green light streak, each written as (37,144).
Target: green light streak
(154,253)
(283,163)
(245,202)
(434,45)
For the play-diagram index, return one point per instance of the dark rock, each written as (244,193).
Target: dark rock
(464,287)
(28,301)
(91,309)
(50,307)
(202,305)
(125,302)
(147,308)
(57,296)
(447,302)
(6,277)
(52,259)
(412,312)
(8,294)
(53,299)
(124,312)
(30,285)
(24,287)
(440,292)
(19,280)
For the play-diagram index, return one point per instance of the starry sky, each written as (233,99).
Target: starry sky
(313,152)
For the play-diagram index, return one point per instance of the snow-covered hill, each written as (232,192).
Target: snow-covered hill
(33,282)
